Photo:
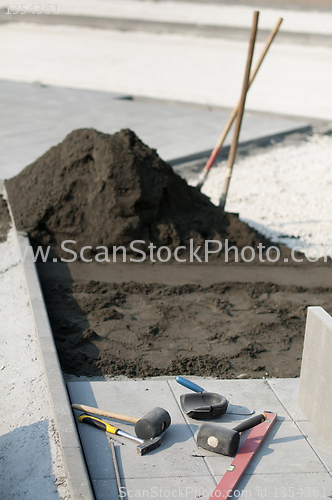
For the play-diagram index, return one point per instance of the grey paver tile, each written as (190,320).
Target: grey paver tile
(158,488)
(105,489)
(284,451)
(308,485)
(41,116)
(287,390)
(254,394)
(173,458)
(321,448)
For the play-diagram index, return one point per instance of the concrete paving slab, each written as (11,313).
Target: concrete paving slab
(284,450)
(97,452)
(169,67)
(322,449)
(287,485)
(105,489)
(178,445)
(315,393)
(291,456)
(189,489)
(287,392)
(39,117)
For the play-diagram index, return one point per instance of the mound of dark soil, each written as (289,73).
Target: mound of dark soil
(4,219)
(108,190)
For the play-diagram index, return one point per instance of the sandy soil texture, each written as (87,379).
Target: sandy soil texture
(225,330)
(4,220)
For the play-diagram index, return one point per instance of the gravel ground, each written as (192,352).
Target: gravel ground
(284,191)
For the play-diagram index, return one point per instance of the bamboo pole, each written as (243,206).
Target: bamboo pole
(231,119)
(245,88)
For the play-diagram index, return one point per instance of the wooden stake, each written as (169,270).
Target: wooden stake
(231,119)
(232,152)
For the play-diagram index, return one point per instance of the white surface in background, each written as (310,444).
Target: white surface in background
(284,191)
(209,14)
(294,80)
(30,457)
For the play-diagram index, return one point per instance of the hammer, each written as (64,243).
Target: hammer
(148,427)
(222,440)
(143,447)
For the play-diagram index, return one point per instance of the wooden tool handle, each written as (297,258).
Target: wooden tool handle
(239,116)
(104,413)
(231,119)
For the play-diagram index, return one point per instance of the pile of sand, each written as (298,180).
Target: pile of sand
(106,190)
(4,219)
(100,189)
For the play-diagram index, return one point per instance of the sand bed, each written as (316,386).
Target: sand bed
(4,219)
(226,329)
(106,190)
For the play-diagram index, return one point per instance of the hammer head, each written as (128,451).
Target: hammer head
(148,445)
(218,439)
(152,424)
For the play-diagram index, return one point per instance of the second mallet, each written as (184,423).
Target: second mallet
(144,446)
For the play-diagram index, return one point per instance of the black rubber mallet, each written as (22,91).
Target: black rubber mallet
(149,426)
(222,440)
(144,446)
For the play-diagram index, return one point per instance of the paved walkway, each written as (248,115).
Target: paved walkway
(293,461)
(47,114)
(294,79)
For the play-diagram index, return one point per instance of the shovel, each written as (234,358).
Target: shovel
(205,405)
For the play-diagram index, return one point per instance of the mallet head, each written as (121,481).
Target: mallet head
(223,440)
(218,439)
(148,445)
(153,423)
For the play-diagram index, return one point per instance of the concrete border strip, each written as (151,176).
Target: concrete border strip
(75,466)
(261,141)
(170,27)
